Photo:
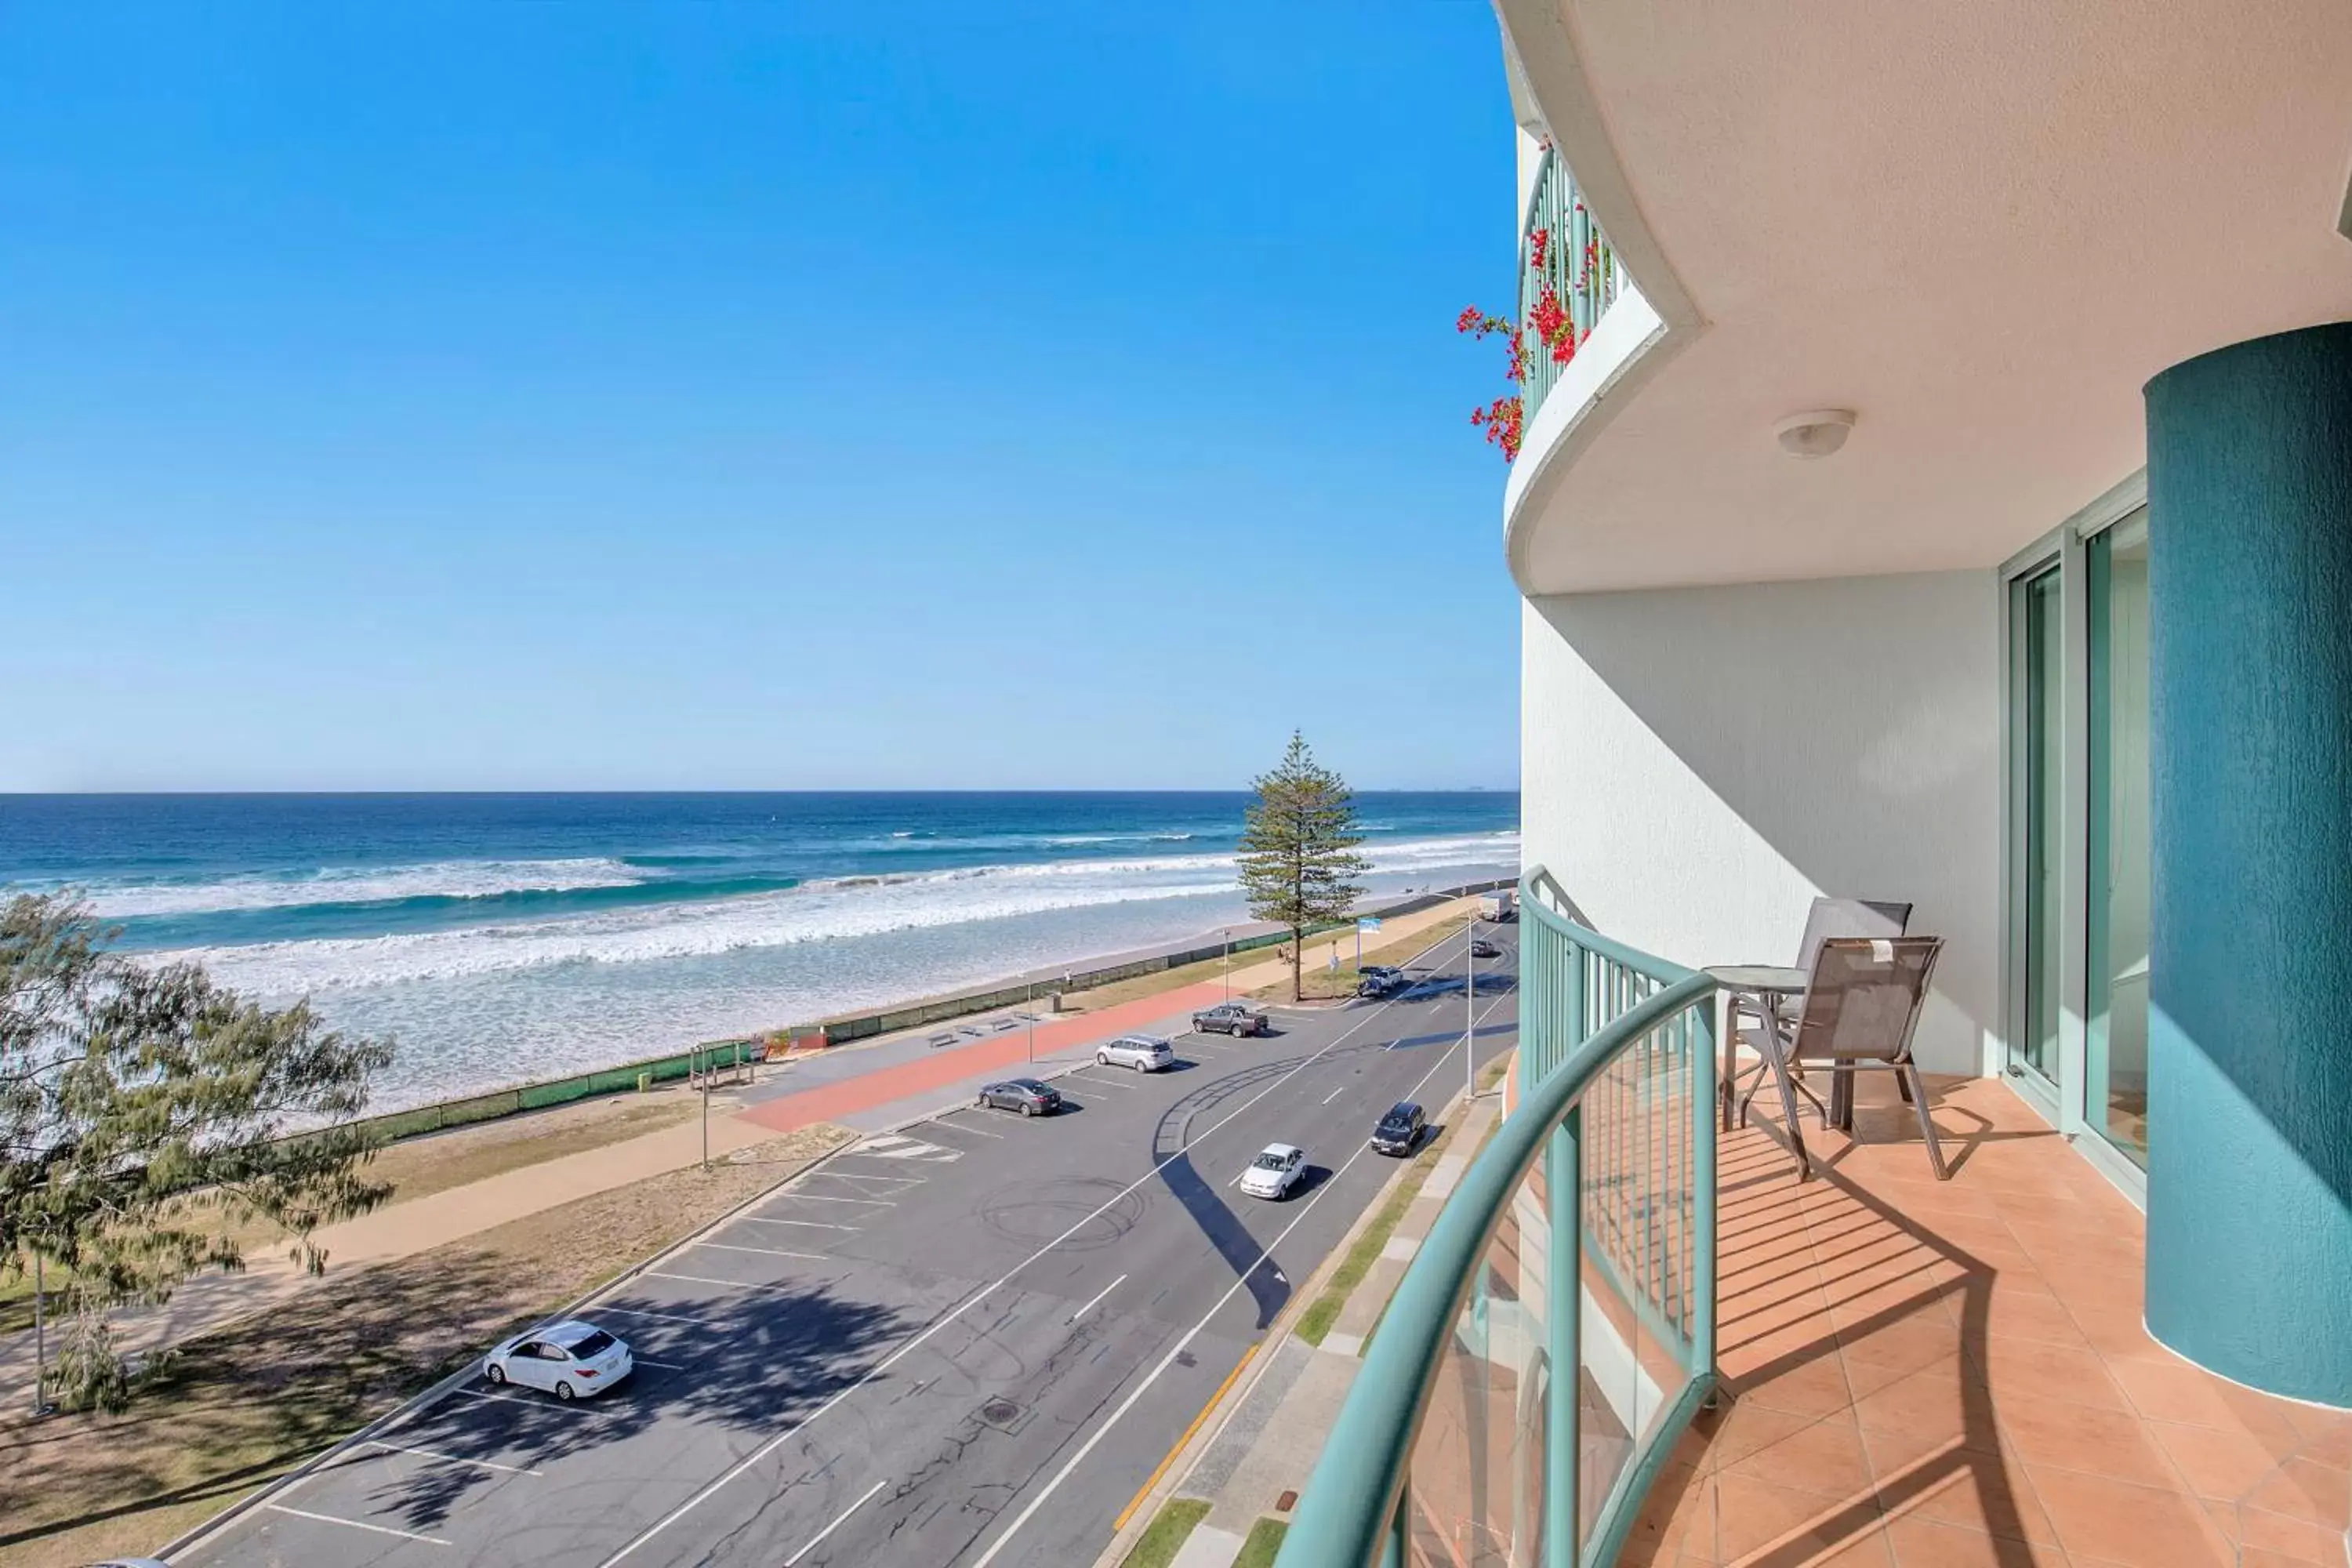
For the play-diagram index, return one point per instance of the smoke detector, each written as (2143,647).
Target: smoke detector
(1814,434)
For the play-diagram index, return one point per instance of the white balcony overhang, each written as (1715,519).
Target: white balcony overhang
(1981,228)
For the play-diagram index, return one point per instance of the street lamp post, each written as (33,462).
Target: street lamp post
(1226,965)
(1470,1017)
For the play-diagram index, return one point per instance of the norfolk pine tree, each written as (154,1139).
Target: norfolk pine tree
(1298,858)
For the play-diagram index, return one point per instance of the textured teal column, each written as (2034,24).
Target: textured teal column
(2250,1117)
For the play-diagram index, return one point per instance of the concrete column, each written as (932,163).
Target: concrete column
(2250,1120)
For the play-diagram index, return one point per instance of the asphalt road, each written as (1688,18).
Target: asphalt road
(970,1343)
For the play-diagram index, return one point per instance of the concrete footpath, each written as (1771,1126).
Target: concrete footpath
(1251,1452)
(870,1087)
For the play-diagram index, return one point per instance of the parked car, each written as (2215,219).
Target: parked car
(1379,980)
(1481,948)
(569,1359)
(1400,1130)
(1025,1095)
(1144,1053)
(1231,1019)
(1274,1172)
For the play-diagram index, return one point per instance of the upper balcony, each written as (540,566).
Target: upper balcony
(1978,231)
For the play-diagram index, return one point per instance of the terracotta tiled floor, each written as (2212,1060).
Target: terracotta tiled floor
(1944,1374)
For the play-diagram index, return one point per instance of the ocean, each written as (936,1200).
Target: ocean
(498,938)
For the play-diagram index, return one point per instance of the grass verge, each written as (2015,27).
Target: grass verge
(1264,1541)
(1319,981)
(251,1400)
(1166,1535)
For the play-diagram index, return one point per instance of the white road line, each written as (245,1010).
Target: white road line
(830,1198)
(922,1338)
(450,1458)
(1098,1300)
(355,1524)
(769,1251)
(645,1361)
(944,1125)
(693,1279)
(817,1539)
(1264,1255)
(865,1176)
(1093,1082)
(1335,1094)
(662,1317)
(803,1224)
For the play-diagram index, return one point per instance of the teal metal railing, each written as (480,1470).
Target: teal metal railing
(1568,276)
(1519,1397)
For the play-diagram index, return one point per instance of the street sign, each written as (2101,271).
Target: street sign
(1368,922)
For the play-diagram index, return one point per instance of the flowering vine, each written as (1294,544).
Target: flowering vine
(1551,328)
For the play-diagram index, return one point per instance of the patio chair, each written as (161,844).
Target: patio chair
(1827,918)
(1860,1010)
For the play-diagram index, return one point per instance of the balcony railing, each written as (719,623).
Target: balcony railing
(1519,1398)
(1563,258)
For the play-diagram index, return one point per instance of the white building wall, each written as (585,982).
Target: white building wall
(1698,763)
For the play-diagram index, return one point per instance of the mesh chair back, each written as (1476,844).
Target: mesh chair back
(1863,1002)
(1848,917)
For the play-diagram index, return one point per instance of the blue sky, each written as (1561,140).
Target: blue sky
(489,396)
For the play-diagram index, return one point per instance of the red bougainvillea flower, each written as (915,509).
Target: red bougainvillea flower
(1538,247)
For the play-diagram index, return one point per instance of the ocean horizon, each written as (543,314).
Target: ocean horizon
(499,937)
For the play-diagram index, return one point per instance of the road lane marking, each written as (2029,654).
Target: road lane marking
(804,1224)
(642,1360)
(1266,1256)
(355,1524)
(450,1458)
(769,1251)
(1098,1300)
(1248,1351)
(1335,1094)
(817,1539)
(661,1317)
(923,1337)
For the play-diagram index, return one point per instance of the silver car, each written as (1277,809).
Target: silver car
(1144,1053)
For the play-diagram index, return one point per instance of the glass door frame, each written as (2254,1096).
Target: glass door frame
(2060,1099)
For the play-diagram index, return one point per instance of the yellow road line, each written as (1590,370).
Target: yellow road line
(1162,1469)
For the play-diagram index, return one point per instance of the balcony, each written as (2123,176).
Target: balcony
(1568,277)
(1868,1368)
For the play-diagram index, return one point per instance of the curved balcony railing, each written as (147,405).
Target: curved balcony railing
(1565,260)
(1519,1398)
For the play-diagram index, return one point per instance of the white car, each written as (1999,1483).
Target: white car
(567,1360)
(1274,1172)
(1144,1053)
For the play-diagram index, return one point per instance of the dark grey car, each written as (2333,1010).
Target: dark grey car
(1231,1019)
(1025,1095)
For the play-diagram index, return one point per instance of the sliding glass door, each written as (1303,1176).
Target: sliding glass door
(2078,814)
(2115,1011)
(2037,624)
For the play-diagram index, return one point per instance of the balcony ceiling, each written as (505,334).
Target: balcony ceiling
(1981,227)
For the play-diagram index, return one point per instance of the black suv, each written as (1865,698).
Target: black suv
(1400,1130)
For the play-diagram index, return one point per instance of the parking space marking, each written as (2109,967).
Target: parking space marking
(1335,1094)
(664,1317)
(818,1539)
(697,1280)
(643,1360)
(769,1251)
(944,1125)
(355,1524)
(866,1176)
(831,1198)
(1098,1300)
(805,1224)
(450,1459)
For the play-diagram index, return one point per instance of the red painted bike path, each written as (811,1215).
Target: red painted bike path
(955,1064)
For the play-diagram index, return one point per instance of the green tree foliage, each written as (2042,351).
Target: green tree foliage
(146,1117)
(1298,858)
